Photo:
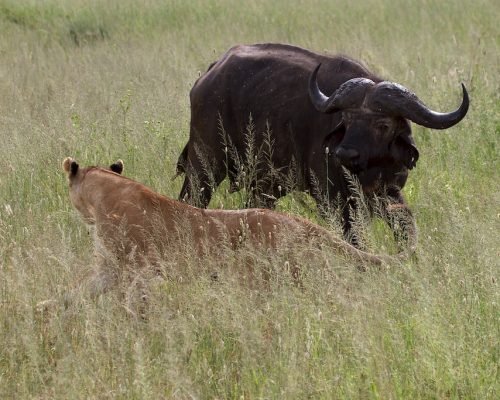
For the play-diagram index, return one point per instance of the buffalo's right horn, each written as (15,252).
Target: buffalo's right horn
(395,99)
(349,95)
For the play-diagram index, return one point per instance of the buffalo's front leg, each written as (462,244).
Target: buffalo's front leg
(403,225)
(352,233)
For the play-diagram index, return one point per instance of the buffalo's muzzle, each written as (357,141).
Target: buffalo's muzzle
(347,156)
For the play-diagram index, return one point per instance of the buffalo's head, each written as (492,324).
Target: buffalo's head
(374,130)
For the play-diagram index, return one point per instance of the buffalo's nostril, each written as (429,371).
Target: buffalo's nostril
(347,154)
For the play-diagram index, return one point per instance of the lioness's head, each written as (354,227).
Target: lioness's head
(76,174)
(71,167)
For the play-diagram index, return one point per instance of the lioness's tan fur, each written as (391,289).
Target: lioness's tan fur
(130,218)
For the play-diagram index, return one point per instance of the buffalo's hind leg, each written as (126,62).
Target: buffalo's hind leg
(201,179)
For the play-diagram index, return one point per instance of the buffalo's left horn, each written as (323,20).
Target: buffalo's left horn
(395,99)
(319,100)
(349,95)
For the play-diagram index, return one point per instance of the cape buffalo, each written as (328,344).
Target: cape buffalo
(362,129)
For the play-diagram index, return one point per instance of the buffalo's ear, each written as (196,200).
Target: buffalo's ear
(335,136)
(403,148)
(117,167)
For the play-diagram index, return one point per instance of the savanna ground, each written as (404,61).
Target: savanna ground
(108,80)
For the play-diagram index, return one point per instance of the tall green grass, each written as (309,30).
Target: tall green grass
(107,80)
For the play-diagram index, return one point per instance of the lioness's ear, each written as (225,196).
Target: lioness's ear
(117,167)
(70,166)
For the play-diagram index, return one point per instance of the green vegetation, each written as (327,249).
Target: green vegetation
(106,80)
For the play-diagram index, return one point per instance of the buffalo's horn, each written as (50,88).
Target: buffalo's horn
(319,100)
(395,99)
(350,94)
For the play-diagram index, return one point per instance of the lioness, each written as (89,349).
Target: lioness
(132,221)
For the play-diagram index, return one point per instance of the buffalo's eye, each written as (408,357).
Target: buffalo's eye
(383,126)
